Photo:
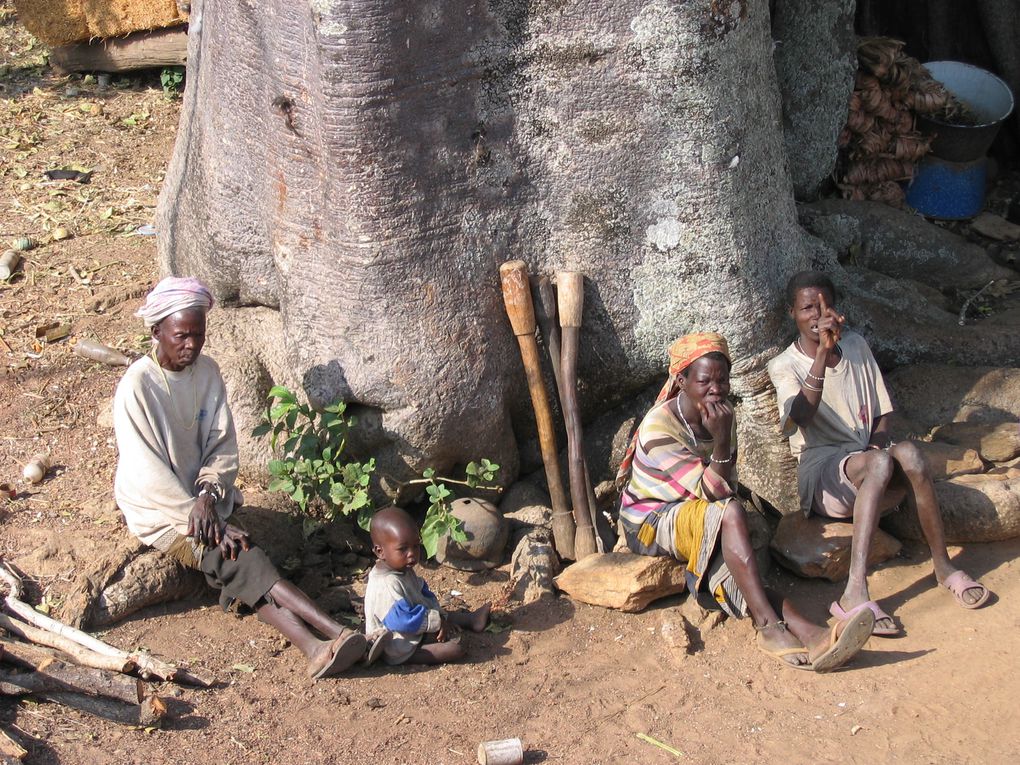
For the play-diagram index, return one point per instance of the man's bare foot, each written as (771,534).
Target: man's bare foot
(480,618)
(776,640)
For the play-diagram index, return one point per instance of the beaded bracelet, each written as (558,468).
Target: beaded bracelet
(721,462)
(816,377)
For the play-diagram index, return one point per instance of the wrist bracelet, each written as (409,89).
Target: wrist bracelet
(816,377)
(809,386)
(721,462)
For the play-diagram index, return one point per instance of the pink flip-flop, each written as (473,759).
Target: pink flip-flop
(837,610)
(959,582)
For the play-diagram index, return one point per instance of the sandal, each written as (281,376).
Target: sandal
(959,582)
(779,653)
(845,645)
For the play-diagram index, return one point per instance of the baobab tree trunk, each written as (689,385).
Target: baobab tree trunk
(348,177)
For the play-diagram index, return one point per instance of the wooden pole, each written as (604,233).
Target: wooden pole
(546,312)
(517,297)
(80,654)
(50,674)
(571,306)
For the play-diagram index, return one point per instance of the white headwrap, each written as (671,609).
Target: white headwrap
(174,294)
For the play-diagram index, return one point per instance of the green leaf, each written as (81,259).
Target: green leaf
(279,467)
(428,473)
(260,430)
(280,410)
(471,469)
(365,517)
(283,393)
(298,495)
(281,484)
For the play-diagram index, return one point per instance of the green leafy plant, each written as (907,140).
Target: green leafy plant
(172,80)
(311,470)
(439,520)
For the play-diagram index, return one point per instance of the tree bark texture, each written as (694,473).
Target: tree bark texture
(348,176)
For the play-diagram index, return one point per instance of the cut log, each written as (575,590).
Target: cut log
(149,712)
(129,578)
(161,47)
(80,654)
(11,750)
(51,674)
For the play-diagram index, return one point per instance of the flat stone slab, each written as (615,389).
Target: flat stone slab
(996,443)
(975,508)
(929,395)
(623,581)
(995,227)
(816,548)
(948,460)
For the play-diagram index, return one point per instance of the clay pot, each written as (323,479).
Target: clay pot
(487,533)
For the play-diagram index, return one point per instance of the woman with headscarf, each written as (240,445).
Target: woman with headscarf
(680,499)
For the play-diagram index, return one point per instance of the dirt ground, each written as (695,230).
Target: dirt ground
(576,683)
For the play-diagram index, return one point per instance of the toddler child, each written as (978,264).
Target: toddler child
(399,600)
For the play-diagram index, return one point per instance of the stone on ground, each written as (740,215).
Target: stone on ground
(815,62)
(533,566)
(901,245)
(995,227)
(996,443)
(816,548)
(622,581)
(525,503)
(947,460)
(673,632)
(935,394)
(973,510)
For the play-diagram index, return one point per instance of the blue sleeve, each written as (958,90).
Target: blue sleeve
(428,593)
(403,617)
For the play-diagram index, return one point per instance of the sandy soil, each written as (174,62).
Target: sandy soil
(576,683)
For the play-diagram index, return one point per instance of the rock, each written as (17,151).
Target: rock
(934,394)
(813,547)
(533,566)
(947,460)
(901,245)
(995,227)
(712,620)
(342,537)
(486,530)
(973,510)
(816,61)
(673,632)
(623,581)
(335,599)
(996,443)
(693,611)
(525,503)
(104,418)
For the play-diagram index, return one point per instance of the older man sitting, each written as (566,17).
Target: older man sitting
(176,469)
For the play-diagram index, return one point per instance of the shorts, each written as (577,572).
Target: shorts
(835,493)
(247,579)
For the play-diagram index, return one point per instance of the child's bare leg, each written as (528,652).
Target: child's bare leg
(437,653)
(476,620)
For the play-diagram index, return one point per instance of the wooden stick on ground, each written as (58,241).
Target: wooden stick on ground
(10,750)
(149,712)
(76,651)
(519,307)
(50,674)
(147,665)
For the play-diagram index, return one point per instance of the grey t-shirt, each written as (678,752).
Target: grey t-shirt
(853,397)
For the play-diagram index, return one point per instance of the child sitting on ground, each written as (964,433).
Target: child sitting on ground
(399,600)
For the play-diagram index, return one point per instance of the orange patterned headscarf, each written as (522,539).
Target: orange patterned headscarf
(682,353)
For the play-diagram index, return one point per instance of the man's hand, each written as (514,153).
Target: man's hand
(203,524)
(233,540)
(717,417)
(830,325)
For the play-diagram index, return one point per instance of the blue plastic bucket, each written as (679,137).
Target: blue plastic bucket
(989,99)
(948,190)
